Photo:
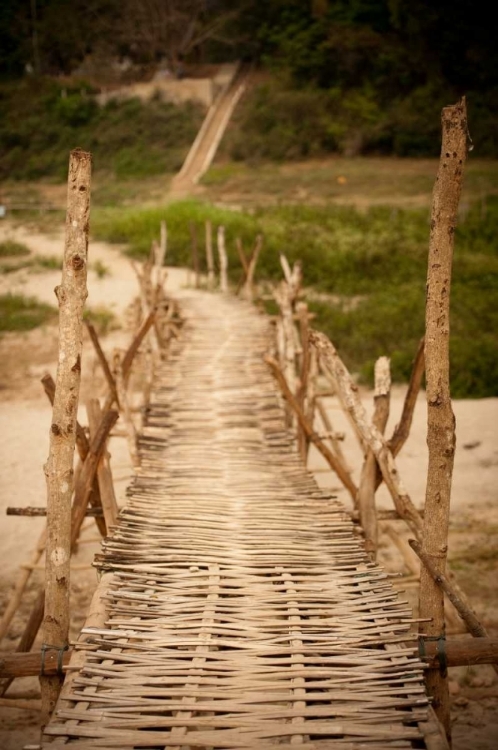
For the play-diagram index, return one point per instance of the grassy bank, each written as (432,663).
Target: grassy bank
(367,270)
(42,119)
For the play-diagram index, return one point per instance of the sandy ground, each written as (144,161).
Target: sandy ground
(24,423)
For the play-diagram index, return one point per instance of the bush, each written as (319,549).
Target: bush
(19,313)
(277,120)
(13,249)
(42,120)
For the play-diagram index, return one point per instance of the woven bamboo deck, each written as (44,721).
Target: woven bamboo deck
(240,609)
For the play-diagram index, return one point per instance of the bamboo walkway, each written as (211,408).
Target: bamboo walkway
(240,608)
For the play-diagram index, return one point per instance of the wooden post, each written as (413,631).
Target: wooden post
(441,420)
(195,254)
(251,268)
(366,492)
(121,382)
(104,474)
(308,429)
(163,246)
(223,260)
(83,447)
(369,435)
(302,312)
(209,255)
(402,429)
(71,295)
(103,360)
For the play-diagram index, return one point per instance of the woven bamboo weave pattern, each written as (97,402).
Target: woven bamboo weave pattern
(241,610)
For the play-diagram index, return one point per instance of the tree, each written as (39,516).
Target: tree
(152,29)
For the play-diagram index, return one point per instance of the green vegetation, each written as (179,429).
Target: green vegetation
(41,120)
(101,318)
(278,121)
(367,270)
(13,249)
(47,262)
(34,262)
(100,269)
(19,313)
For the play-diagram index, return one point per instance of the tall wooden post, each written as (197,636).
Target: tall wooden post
(441,420)
(223,259)
(209,255)
(71,295)
(195,254)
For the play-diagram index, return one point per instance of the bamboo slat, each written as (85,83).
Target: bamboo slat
(241,610)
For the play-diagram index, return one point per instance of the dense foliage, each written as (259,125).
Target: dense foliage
(353,76)
(42,120)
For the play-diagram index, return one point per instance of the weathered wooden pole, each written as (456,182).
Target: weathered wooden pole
(71,295)
(248,285)
(209,255)
(195,253)
(366,491)
(223,259)
(440,420)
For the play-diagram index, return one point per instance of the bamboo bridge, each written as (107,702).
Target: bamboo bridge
(236,607)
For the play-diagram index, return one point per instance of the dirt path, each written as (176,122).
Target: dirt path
(208,139)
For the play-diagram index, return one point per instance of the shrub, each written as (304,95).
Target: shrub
(11,249)
(19,313)
(42,120)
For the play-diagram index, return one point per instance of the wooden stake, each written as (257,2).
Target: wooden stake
(209,255)
(310,434)
(195,253)
(163,246)
(402,429)
(441,420)
(334,437)
(103,360)
(81,438)
(248,291)
(131,430)
(104,474)
(71,295)
(82,494)
(302,311)
(242,257)
(366,492)
(35,511)
(452,591)
(223,260)
(370,436)
(135,344)
(83,447)
(84,485)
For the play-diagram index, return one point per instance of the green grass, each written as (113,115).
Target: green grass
(13,249)
(47,262)
(376,257)
(101,318)
(36,263)
(19,313)
(100,269)
(362,182)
